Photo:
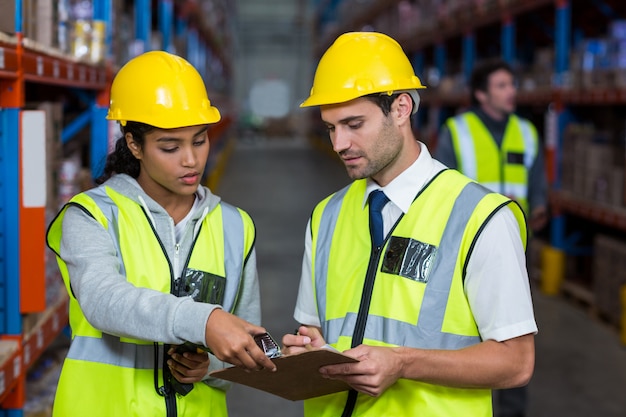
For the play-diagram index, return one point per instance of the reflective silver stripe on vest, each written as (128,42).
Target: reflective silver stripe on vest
(233,253)
(530,145)
(466,145)
(111,212)
(426,333)
(110,350)
(322,253)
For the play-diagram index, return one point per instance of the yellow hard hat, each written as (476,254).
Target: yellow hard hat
(358,64)
(162,90)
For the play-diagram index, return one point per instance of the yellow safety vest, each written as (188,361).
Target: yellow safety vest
(503,170)
(105,375)
(416,284)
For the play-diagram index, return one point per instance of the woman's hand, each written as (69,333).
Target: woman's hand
(231,339)
(188,367)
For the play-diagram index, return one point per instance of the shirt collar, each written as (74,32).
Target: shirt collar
(403,189)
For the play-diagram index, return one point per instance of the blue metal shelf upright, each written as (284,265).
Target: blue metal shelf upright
(22,227)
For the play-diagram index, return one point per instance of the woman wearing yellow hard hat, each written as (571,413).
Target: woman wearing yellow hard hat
(159,270)
(413,269)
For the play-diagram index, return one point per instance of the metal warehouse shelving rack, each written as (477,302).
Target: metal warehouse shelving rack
(462,24)
(22,219)
(459,36)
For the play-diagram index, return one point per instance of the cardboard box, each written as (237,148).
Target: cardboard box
(46,23)
(7,17)
(609,266)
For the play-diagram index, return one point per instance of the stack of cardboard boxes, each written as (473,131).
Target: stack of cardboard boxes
(592,164)
(609,269)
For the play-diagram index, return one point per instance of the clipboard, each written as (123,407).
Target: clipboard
(296,377)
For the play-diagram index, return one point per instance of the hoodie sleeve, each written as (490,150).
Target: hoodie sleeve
(113,305)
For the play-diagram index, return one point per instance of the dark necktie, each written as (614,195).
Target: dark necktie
(377,200)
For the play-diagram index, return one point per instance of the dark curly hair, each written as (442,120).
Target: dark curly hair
(121,160)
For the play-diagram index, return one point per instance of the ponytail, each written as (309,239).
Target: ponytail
(121,160)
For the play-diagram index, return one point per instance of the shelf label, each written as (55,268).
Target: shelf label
(55,322)
(1,58)
(39,65)
(40,338)
(17,366)
(2,383)
(27,354)
(56,70)
(70,72)
(81,74)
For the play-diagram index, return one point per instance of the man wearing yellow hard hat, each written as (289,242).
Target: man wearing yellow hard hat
(134,251)
(413,269)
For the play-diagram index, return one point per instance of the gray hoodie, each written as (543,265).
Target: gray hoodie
(114,306)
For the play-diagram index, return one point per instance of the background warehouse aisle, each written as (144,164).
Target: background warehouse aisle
(278,182)
(580,363)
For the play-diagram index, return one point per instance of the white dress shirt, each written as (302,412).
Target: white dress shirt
(496,284)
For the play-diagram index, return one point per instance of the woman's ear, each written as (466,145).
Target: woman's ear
(134,148)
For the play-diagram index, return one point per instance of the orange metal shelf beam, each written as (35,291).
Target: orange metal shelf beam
(600,97)
(10,368)
(46,330)
(563,201)
(45,69)
(24,352)
(8,61)
(594,96)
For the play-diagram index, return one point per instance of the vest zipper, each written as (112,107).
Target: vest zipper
(176,246)
(361,318)
(167,391)
(366,297)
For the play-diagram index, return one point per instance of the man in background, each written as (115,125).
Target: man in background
(500,150)
(497,148)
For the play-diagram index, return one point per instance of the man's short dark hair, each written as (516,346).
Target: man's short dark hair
(480,76)
(384,101)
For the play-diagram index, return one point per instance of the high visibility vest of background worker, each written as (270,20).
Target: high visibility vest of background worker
(495,147)
(501,150)
(150,232)
(436,333)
